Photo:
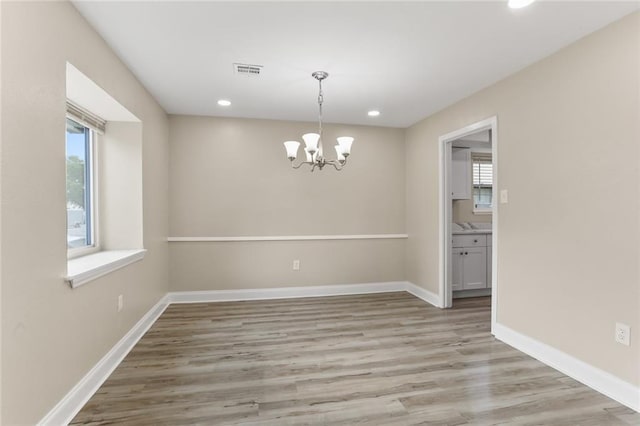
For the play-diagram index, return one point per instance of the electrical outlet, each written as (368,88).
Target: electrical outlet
(296,265)
(120,302)
(623,332)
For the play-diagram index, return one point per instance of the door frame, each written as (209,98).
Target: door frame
(444,146)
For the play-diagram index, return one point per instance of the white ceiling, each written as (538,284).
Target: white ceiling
(407,60)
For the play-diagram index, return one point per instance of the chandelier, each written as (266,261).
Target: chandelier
(313,141)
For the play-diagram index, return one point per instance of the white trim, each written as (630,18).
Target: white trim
(284,292)
(77,397)
(607,384)
(494,225)
(445,216)
(74,253)
(423,294)
(479,292)
(289,238)
(81,270)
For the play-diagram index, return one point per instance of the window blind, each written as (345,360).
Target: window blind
(86,118)
(482,170)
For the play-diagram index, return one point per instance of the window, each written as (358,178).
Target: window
(104,182)
(81,236)
(482,169)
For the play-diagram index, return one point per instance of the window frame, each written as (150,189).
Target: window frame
(91,173)
(477,157)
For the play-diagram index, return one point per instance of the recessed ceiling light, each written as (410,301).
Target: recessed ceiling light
(224,102)
(373,113)
(518,4)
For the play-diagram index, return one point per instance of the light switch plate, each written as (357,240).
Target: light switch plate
(504,196)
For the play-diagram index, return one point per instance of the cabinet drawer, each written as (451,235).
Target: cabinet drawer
(469,241)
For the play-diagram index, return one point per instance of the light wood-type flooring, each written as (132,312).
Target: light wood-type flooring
(379,359)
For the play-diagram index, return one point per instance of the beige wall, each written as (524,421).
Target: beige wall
(1,300)
(567,255)
(243,265)
(568,266)
(463,212)
(231,177)
(52,335)
(120,180)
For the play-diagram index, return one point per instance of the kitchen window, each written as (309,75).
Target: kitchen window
(482,171)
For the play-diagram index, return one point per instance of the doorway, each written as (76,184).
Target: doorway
(469,214)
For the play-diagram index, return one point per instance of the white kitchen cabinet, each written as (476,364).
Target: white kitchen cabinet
(460,173)
(457,264)
(469,262)
(475,268)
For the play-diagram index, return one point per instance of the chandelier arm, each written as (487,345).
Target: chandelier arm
(299,165)
(336,164)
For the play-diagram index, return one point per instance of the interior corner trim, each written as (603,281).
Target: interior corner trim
(290,238)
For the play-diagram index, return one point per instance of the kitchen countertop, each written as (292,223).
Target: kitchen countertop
(473,232)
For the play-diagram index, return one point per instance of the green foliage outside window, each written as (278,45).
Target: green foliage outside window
(75,181)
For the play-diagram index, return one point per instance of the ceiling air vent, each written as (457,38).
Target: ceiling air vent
(248,70)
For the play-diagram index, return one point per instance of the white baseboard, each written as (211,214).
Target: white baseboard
(73,401)
(480,292)
(623,392)
(423,294)
(295,292)
(284,292)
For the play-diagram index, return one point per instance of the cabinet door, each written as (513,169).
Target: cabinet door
(460,173)
(457,263)
(475,268)
(489,265)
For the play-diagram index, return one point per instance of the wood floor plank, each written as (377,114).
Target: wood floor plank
(379,359)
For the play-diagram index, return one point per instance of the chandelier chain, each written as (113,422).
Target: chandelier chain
(320,100)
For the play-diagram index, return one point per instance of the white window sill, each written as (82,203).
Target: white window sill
(481,212)
(87,268)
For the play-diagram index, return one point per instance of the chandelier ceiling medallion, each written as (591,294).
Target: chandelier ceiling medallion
(313,141)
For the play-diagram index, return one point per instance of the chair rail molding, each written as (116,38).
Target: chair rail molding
(290,238)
